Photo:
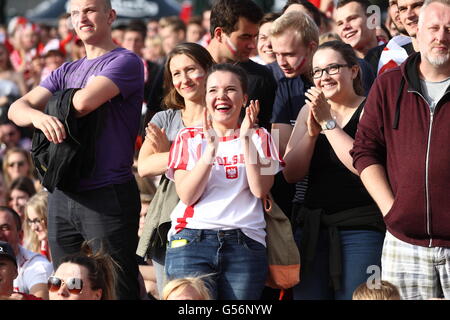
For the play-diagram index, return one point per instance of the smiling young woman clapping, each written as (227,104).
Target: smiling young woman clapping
(221,170)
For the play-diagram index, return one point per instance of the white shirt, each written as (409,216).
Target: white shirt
(33,268)
(227,202)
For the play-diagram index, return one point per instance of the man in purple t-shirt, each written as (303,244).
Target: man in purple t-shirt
(105,207)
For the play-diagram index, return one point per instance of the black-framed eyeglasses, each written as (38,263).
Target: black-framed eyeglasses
(35,221)
(330,70)
(74,285)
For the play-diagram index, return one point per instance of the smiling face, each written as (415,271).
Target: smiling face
(337,85)
(39,225)
(351,26)
(224,99)
(395,16)
(433,35)
(91,20)
(71,270)
(265,50)
(409,14)
(188,78)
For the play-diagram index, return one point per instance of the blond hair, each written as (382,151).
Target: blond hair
(39,202)
(196,283)
(384,291)
(300,23)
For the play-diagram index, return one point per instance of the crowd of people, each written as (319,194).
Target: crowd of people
(138,157)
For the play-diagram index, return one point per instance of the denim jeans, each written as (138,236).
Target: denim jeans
(359,250)
(237,264)
(107,216)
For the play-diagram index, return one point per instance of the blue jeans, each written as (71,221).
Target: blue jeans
(109,218)
(359,249)
(237,264)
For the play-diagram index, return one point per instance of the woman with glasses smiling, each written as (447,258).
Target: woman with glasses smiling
(339,230)
(36,211)
(84,276)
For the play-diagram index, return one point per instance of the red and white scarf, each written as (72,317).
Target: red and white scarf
(393,54)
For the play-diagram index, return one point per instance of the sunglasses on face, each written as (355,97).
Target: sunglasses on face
(18,163)
(74,285)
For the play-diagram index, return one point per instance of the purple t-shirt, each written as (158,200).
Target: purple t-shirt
(115,146)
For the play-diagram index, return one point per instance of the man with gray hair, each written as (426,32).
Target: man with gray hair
(401,152)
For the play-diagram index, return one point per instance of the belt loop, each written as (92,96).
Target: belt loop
(199,235)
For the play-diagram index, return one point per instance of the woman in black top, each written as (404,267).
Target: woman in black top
(339,230)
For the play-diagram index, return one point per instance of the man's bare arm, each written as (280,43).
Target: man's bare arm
(96,93)
(28,110)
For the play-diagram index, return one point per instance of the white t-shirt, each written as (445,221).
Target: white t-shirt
(227,202)
(33,268)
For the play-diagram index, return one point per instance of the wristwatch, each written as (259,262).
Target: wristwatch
(329,125)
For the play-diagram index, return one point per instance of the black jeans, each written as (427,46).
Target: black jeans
(108,217)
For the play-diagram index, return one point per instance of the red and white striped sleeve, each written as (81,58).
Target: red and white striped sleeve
(267,149)
(182,152)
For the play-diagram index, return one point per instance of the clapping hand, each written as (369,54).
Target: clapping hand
(210,134)
(157,138)
(250,119)
(319,106)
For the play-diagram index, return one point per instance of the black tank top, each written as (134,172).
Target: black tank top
(332,186)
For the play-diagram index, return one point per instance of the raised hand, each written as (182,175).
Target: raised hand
(210,134)
(320,108)
(250,119)
(157,138)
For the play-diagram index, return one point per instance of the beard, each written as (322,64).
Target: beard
(438,60)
